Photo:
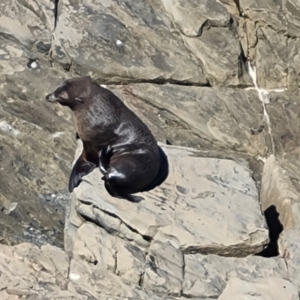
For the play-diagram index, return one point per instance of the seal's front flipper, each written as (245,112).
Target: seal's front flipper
(81,168)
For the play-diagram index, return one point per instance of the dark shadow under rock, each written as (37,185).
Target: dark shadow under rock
(275,229)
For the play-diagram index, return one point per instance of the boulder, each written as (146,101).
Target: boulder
(200,207)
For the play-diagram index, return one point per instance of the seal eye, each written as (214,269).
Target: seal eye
(63,95)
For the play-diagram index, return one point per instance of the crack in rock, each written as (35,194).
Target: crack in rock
(264,98)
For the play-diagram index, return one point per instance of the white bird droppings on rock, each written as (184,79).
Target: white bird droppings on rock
(57,134)
(9,207)
(33,65)
(4,126)
(74,276)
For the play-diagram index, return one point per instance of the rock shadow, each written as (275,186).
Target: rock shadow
(275,229)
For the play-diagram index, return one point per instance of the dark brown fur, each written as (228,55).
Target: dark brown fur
(114,138)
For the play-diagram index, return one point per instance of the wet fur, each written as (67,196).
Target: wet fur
(114,139)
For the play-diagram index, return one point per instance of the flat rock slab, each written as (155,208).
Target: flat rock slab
(206,205)
(209,275)
(123,41)
(259,289)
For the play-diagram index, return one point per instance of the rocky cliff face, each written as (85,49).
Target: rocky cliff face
(217,84)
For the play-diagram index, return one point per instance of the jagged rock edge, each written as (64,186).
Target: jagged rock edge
(110,214)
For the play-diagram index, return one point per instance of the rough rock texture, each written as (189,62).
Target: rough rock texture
(201,117)
(263,288)
(36,149)
(270,33)
(217,80)
(157,244)
(199,207)
(289,247)
(281,175)
(128,40)
(47,273)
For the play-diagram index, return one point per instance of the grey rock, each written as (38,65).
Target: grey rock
(289,244)
(208,276)
(233,7)
(284,106)
(37,143)
(292,16)
(271,49)
(202,211)
(293,63)
(270,37)
(9,207)
(192,17)
(222,57)
(46,273)
(260,289)
(248,38)
(121,41)
(278,193)
(28,23)
(198,234)
(280,187)
(201,117)
(164,269)
(266,12)
(108,36)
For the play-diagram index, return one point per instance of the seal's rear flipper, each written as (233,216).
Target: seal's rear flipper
(114,193)
(80,169)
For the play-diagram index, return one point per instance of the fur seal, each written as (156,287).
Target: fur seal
(114,139)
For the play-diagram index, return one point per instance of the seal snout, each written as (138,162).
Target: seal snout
(51,97)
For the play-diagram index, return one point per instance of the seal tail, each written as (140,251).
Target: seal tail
(81,168)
